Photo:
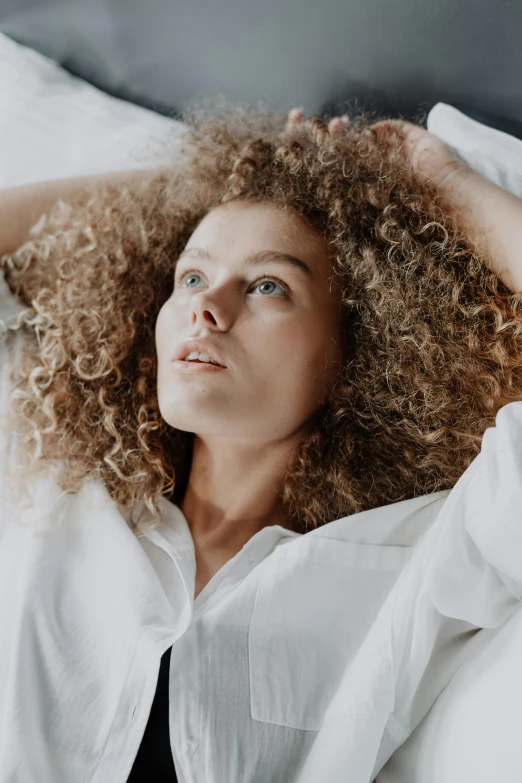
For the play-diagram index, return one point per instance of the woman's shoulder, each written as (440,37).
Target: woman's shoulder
(43,505)
(397,524)
(10,306)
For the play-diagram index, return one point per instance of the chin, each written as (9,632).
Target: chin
(176,424)
(188,419)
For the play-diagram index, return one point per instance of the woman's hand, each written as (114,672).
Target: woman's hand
(490,216)
(428,155)
(425,153)
(295,116)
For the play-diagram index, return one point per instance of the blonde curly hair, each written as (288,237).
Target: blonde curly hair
(431,337)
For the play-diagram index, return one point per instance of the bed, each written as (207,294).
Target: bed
(88,87)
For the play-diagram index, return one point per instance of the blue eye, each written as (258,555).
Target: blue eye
(189,277)
(271,286)
(271,291)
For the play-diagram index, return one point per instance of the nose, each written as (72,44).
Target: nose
(205,316)
(209,312)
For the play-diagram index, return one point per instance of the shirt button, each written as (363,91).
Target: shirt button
(188,747)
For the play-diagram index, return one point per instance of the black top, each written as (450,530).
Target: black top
(154,760)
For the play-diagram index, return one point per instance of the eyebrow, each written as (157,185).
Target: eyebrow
(254,259)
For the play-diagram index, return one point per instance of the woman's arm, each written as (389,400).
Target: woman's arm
(464,574)
(21,206)
(492,218)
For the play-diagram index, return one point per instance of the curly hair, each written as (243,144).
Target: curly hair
(431,336)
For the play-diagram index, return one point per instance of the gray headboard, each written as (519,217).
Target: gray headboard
(390,56)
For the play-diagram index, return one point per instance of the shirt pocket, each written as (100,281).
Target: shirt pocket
(315,603)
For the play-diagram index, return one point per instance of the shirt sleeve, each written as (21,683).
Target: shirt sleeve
(464,574)
(10,344)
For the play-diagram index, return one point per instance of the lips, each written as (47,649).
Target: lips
(191,368)
(201,346)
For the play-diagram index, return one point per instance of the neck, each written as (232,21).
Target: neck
(234,490)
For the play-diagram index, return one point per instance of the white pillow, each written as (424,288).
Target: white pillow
(55,125)
(494,154)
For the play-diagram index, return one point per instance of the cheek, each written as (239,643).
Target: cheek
(300,352)
(165,331)
(316,354)
(159,332)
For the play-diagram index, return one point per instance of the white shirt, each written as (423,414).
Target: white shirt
(306,657)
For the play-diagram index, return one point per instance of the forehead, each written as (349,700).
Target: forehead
(240,228)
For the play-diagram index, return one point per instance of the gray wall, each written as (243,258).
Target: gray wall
(393,56)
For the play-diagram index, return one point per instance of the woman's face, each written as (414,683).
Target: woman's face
(272,322)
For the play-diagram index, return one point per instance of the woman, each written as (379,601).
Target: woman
(342,307)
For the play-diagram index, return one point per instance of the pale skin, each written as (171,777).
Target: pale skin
(281,349)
